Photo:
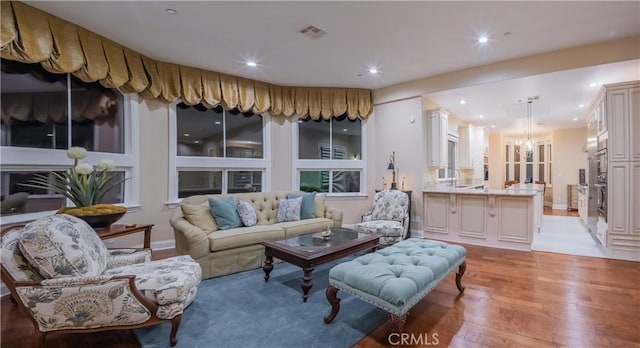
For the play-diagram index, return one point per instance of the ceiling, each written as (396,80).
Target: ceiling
(404,40)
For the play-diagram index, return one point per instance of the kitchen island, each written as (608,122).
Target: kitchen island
(496,218)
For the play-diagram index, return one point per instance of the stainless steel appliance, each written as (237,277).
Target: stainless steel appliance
(592,173)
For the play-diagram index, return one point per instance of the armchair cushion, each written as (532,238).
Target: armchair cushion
(62,246)
(13,260)
(171,283)
(124,257)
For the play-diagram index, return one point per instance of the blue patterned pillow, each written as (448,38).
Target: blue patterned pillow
(289,209)
(308,207)
(247,213)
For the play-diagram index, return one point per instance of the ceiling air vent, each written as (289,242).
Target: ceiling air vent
(313,32)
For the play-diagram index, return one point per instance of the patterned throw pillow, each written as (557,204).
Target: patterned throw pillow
(247,213)
(289,209)
(307,209)
(63,246)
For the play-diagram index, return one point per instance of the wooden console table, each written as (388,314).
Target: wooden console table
(118,230)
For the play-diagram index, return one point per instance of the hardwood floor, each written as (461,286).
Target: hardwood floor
(559,212)
(512,299)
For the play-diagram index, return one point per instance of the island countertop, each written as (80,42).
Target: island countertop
(485,192)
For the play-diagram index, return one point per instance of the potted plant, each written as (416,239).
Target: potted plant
(85,186)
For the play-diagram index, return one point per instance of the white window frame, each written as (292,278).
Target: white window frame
(546,140)
(44,160)
(301,165)
(209,164)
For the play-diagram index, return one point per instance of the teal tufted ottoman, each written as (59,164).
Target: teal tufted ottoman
(396,277)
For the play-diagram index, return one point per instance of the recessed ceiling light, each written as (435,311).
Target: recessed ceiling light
(250,63)
(481,116)
(592,84)
(373,71)
(196,142)
(483,39)
(575,118)
(463,102)
(171,11)
(49,134)
(217,122)
(344,129)
(186,134)
(581,105)
(493,126)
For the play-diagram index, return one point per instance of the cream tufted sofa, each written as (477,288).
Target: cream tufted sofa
(221,252)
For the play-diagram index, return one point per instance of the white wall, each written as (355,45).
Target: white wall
(568,157)
(398,127)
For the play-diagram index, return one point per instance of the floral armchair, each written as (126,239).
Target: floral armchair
(62,275)
(389,217)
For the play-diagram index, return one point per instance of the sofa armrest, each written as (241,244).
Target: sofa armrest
(335,215)
(190,240)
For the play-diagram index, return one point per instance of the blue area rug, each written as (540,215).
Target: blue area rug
(241,310)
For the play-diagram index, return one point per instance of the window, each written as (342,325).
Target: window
(216,151)
(329,157)
(528,167)
(43,115)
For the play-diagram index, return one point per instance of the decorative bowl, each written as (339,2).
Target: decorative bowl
(102,221)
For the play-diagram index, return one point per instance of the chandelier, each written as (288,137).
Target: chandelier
(527,144)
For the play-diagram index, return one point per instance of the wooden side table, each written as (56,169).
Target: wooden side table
(118,230)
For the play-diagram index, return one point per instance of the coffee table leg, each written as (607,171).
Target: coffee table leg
(267,267)
(307,283)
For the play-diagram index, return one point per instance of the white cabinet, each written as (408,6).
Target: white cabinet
(471,149)
(582,206)
(437,127)
(466,144)
(600,114)
(623,113)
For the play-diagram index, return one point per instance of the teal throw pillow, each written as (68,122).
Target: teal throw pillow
(308,207)
(225,213)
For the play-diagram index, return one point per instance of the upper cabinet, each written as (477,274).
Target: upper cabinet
(472,149)
(437,121)
(622,113)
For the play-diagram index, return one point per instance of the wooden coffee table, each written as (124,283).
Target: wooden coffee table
(308,250)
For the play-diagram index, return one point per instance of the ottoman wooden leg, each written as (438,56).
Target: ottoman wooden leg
(335,304)
(399,321)
(461,269)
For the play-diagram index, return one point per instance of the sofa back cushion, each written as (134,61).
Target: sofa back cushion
(63,246)
(198,213)
(225,213)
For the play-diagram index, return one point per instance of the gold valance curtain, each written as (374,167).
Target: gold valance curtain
(32,36)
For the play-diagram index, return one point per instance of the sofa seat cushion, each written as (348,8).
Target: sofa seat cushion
(294,228)
(243,236)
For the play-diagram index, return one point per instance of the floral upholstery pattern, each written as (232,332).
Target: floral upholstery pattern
(71,294)
(389,217)
(82,302)
(171,283)
(247,213)
(289,209)
(62,246)
(13,260)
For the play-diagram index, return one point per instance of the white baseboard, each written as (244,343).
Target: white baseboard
(559,206)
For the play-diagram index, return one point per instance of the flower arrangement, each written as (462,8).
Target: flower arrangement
(83,184)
